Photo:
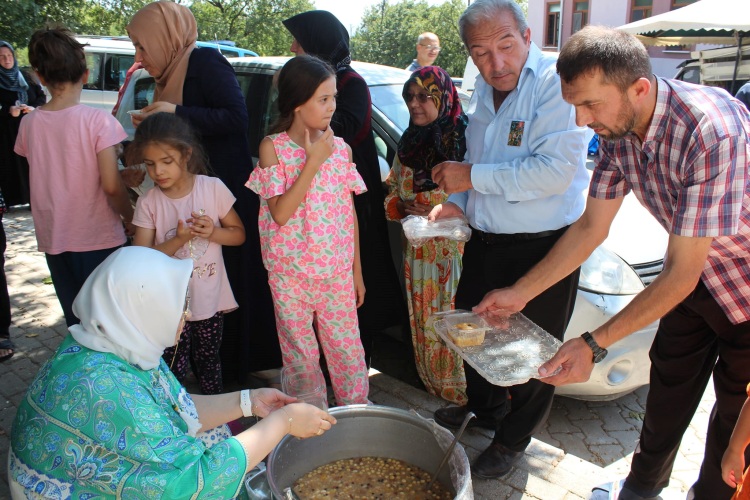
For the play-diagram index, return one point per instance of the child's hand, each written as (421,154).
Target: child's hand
(202,225)
(359,288)
(732,466)
(317,152)
(183,232)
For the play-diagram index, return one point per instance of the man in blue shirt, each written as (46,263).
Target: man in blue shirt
(428,48)
(521,185)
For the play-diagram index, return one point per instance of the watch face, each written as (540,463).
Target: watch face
(600,355)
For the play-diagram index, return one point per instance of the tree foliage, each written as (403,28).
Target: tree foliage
(252,24)
(388,33)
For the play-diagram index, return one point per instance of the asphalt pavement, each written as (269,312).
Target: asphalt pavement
(583,443)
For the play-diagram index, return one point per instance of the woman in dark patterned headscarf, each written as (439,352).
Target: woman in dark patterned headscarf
(435,134)
(19,94)
(319,33)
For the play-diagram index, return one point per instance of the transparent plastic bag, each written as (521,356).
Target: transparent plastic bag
(512,351)
(419,230)
(458,461)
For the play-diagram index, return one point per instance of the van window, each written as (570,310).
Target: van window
(94,65)
(115,68)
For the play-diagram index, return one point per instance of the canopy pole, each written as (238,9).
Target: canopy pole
(737,59)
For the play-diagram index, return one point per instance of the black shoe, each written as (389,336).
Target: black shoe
(453,416)
(494,462)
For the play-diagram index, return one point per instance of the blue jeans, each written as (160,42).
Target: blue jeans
(69,271)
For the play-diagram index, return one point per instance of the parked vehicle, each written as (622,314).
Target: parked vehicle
(630,258)
(108,59)
(716,67)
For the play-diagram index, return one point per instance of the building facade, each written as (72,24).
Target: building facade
(552,22)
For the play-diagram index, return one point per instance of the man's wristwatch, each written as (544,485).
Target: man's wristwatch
(599,353)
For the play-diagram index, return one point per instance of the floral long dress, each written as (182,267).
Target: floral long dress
(431,273)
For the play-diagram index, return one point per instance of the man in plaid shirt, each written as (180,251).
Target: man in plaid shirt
(684,151)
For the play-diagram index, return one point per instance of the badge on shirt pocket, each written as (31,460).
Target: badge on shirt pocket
(515,134)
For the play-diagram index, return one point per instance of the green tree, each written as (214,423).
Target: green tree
(389,31)
(252,24)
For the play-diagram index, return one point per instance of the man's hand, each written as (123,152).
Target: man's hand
(443,211)
(452,176)
(575,360)
(501,302)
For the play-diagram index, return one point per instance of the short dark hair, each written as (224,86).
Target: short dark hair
(621,57)
(299,79)
(56,56)
(169,129)
(484,10)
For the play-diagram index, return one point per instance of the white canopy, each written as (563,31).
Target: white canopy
(705,21)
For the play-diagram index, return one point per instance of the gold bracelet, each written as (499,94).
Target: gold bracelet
(290,420)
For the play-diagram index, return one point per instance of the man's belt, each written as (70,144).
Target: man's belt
(498,239)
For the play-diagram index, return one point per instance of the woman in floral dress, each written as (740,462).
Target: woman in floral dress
(435,134)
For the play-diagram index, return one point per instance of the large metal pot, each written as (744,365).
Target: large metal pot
(362,431)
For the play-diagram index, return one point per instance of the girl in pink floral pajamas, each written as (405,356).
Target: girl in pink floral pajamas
(308,228)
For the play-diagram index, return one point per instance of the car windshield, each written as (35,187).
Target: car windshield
(387,99)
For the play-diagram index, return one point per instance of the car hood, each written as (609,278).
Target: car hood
(635,235)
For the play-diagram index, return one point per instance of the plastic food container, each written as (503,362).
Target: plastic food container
(466,329)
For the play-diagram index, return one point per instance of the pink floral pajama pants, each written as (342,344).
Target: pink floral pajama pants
(297,301)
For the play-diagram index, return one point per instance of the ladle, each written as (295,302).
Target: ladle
(469,416)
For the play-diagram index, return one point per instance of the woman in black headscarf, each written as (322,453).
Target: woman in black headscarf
(319,33)
(19,94)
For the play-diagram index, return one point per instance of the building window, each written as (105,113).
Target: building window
(552,37)
(641,9)
(676,4)
(580,15)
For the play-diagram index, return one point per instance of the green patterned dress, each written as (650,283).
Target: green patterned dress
(94,426)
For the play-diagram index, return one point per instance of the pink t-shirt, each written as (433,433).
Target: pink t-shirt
(71,212)
(209,287)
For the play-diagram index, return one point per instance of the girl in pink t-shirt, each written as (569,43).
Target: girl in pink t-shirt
(79,201)
(188,216)
(308,229)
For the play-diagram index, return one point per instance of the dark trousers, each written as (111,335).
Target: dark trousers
(684,354)
(69,270)
(518,411)
(199,346)
(4,297)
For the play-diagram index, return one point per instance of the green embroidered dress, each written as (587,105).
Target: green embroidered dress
(94,426)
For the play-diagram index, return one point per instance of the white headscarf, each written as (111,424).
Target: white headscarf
(131,305)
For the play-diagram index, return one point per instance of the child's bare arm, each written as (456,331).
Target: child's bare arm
(112,184)
(230,233)
(282,207)
(359,283)
(145,237)
(733,462)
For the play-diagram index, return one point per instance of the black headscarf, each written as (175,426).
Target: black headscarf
(421,148)
(12,79)
(322,35)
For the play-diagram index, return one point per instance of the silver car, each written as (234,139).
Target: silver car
(630,258)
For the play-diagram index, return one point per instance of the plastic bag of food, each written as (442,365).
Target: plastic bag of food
(510,353)
(418,229)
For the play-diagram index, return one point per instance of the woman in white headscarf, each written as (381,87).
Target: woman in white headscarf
(106,417)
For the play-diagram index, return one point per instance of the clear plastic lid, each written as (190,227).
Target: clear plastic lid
(512,351)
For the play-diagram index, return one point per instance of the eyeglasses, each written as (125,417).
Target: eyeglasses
(431,48)
(421,98)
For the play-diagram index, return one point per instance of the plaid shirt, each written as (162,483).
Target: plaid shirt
(691,173)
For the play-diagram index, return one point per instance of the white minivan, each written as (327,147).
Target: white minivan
(108,59)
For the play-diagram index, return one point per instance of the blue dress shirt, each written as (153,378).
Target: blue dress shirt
(529,157)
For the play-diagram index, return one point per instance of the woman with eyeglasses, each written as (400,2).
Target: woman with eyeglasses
(106,418)
(435,134)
